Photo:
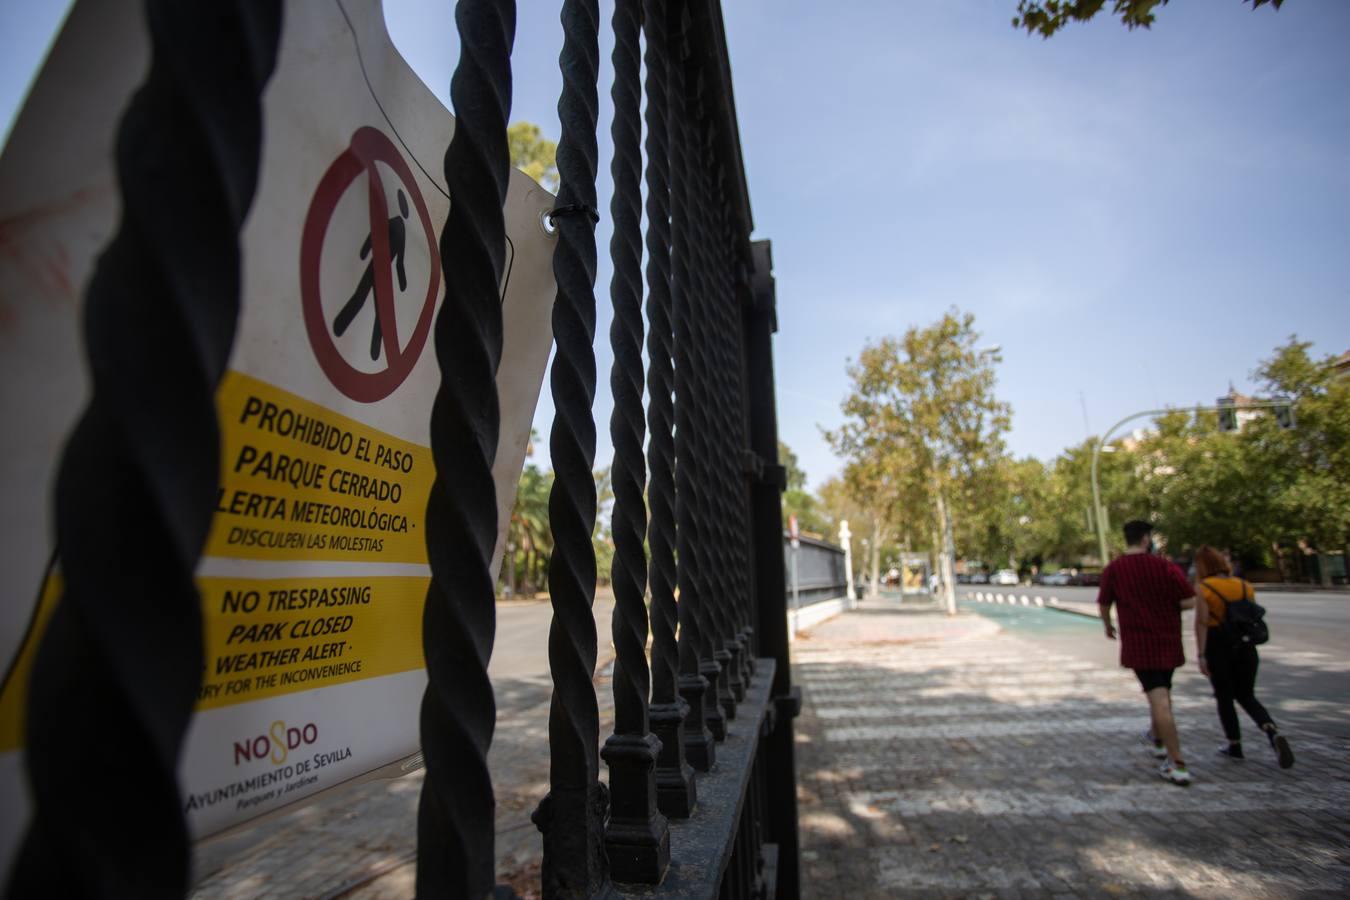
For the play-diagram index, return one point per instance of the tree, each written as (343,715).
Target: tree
(1070,532)
(1307,467)
(602,533)
(922,421)
(797,500)
(534,154)
(530,539)
(796,478)
(528,533)
(1045,17)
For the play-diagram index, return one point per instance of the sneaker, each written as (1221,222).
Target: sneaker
(1154,745)
(1282,750)
(1174,773)
(1232,751)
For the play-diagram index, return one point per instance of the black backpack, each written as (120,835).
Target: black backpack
(1243,622)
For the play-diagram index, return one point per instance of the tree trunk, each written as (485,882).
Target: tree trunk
(509,569)
(874,590)
(948,554)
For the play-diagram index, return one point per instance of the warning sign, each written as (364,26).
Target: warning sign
(367,158)
(315,569)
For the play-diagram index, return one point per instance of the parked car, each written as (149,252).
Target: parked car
(1004,576)
(1087,579)
(963,578)
(979,578)
(1058,579)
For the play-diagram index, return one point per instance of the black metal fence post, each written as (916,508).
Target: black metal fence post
(572,816)
(729,348)
(455,817)
(122,658)
(637,837)
(675,784)
(698,671)
(761,322)
(711,404)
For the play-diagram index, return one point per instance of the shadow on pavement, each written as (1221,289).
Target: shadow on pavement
(953,758)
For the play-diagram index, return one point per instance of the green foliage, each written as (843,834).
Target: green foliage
(1045,17)
(922,417)
(1260,492)
(602,535)
(921,421)
(1263,487)
(796,478)
(534,154)
(530,539)
(811,517)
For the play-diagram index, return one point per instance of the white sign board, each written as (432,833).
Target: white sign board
(315,570)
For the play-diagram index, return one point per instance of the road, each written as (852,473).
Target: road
(1305,669)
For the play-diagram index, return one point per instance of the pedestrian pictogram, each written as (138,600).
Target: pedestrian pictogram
(384,250)
(398,235)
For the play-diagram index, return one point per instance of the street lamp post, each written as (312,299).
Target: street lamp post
(844,536)
(1097,508)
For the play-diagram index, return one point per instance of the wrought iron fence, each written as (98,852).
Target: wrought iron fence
(701,790)
(819,571)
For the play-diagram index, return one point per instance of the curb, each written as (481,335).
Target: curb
(1018,599)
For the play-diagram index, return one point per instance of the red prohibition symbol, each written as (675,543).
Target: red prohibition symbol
(368,147)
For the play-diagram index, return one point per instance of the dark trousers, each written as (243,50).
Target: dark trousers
(1233,675)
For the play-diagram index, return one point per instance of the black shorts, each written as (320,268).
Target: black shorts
(1154,678)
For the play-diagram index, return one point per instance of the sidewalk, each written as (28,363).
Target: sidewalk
(942,757)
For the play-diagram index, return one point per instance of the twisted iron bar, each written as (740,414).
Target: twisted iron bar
(122,656)
(722,447)
(458,712)
(698,670)
(731,362)
(710,494)
(637,837)
(710,461)
(627,426)
(727,650)
(572,816)
(675,785)
(738,286)
(660,374)
(727,407)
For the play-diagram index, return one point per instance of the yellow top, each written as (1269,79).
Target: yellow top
(1219,589)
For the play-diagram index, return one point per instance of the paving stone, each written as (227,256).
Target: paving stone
(938,728)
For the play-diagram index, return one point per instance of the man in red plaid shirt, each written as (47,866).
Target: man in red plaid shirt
(1149,594)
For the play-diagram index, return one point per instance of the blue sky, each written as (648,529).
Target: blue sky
(1136,218)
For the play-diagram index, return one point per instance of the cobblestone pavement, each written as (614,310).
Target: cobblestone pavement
(946,758)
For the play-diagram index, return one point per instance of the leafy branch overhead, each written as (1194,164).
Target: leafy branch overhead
(1045,17)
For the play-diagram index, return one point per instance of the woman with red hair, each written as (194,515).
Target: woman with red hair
(1231,668)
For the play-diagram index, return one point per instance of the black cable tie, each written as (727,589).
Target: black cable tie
(572,209)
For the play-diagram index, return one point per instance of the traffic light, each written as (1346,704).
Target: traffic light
(1227,414)
(1284,413)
